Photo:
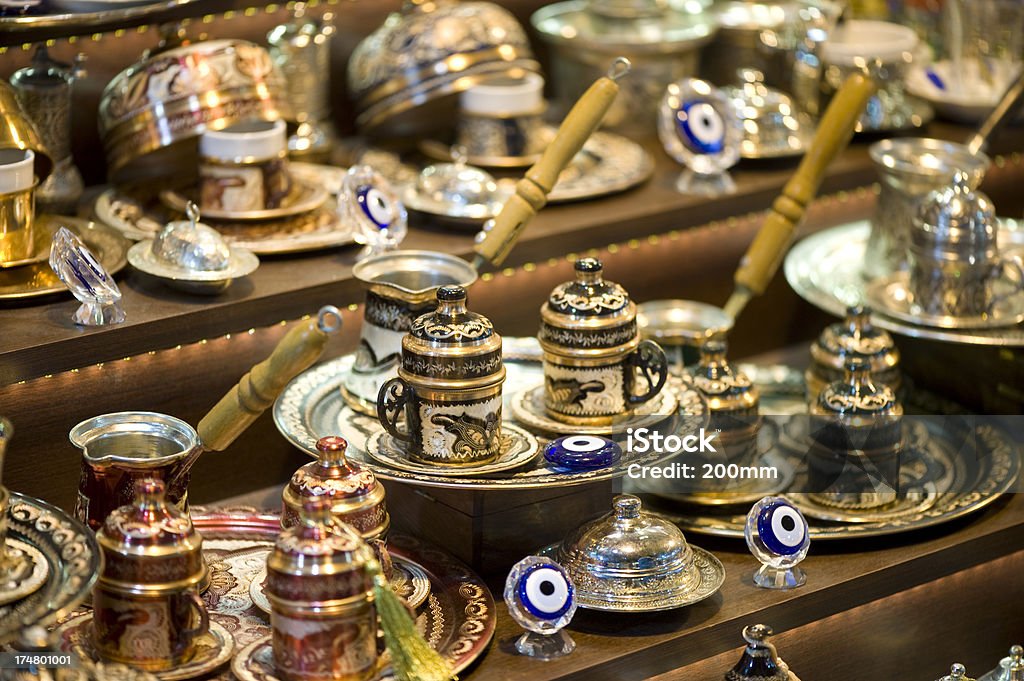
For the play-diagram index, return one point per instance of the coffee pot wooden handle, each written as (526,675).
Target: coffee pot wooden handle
(257,390)
(772,241)
(533,189)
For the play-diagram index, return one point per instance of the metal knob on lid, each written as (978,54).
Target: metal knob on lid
(1011,668)
(730,394)
(957,672)
(353,493)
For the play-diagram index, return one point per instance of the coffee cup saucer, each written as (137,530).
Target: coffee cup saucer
(305,196)
(213,649)
(892,296)
(528,410)
(255,662)
(409,582)
(518,448)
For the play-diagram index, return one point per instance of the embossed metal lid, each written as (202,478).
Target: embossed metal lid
(588,314)
(316,548)
(728,392)
(453,344)
(773,125)
(759,662)
(356,496)
(1011,668)
(956,222)
(627,555)
(429,50)
(150,543)
(856,338)
(857,395)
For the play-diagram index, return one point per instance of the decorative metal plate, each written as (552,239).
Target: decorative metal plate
(712,576)
(458,618)
(255,662)
(518,449)
(37,279)
(607,164)
(528,409)
(74,561)
(312,406)
(941,484)
(139,214)
(305,196)
(892,296)
(825,270)
(213,649)
(24,573)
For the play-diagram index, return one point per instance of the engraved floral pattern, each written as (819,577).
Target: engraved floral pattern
(577,338)
(574,299)
(458,330)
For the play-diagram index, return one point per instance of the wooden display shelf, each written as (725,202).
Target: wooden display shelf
(39,337)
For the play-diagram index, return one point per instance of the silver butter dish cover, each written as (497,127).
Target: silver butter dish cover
(191,245)
(632,561)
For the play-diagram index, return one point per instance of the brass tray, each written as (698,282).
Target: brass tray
(825,270)
(311,407)
(457,620)
(87,15)
(73,556)
(978,478)
(37,279)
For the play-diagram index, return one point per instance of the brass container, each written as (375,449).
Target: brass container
(448,386)
(593,352)
(355,494)
(19,132)
(152,569)
(323,621)
(17,227)
(853,338)
(856,442)
(733,402)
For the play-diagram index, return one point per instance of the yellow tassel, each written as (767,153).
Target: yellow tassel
(412,658)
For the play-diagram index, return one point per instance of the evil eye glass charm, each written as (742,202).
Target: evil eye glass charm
(699,127)
(777,533)
(372,209)
(539,595)
(582,452)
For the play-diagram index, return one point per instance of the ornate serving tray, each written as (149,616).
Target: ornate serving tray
(942,478)
(311,407)
(825,270)
(73,556)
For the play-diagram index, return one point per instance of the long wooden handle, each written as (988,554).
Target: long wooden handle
(258,389)
(533,189)
(765,254)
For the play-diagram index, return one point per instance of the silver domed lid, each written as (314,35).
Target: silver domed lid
(629,560)
(759,662)
(956,222)
(773,125)
(857,395)
(192,245)
(1011,668)
(957,673)
(456,189)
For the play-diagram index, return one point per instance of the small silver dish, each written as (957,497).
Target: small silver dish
(192,257)
(892,296)
(773,125)
(631,561)
(457,191)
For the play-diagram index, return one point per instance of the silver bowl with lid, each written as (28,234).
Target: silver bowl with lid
(401,77)
(773,125)
(632,561)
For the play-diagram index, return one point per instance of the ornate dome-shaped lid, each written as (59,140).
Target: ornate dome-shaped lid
(452,323)
(728,392)
(956,221)
(856,395)
(1011,667)
(759,662)
(428,50)
(320,545)
(855,337)
(627,543)
(588,314)
(149,543)
(590,295)
(355,494)
(957,672)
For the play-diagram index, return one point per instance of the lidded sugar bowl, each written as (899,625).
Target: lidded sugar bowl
(353,492)
(593,353)
(320,585)
(448,386)
(856,441)
(853,338)
(733,401)
(633,561)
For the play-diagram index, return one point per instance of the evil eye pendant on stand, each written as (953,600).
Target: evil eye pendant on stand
(372,209)
(541,599)
(778,536)
(699,128)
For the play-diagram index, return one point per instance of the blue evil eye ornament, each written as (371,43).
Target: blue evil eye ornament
(372,209)
(700,128)
(778,536)
(541,599)
(582,452)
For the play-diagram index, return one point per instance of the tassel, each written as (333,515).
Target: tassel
(412,658)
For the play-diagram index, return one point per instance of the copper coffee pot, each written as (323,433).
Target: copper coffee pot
(120,448)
